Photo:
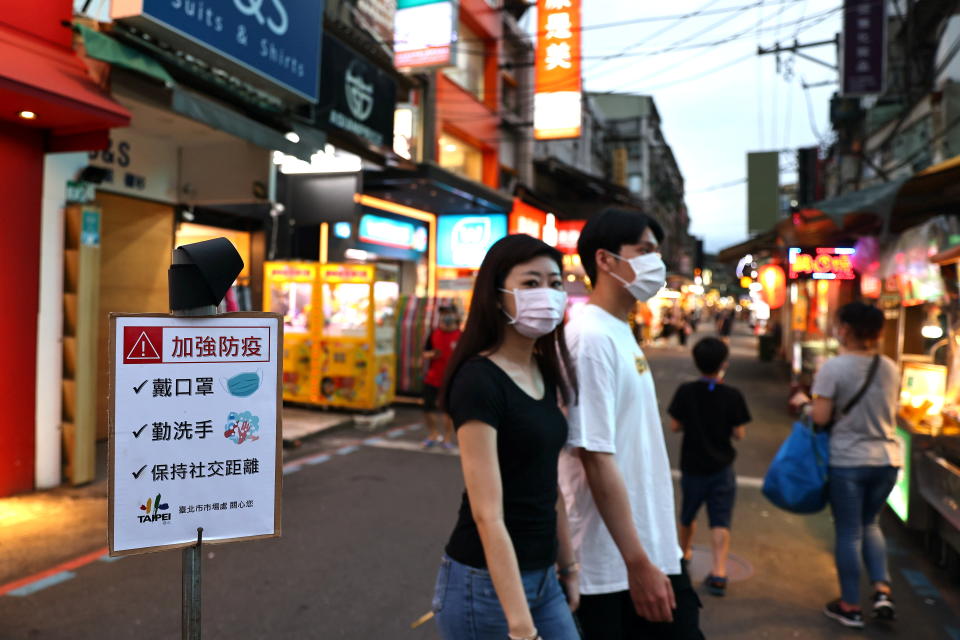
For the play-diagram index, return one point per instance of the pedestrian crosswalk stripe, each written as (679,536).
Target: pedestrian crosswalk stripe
(38,585)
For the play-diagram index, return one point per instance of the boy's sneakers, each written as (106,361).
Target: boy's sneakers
(883,608)
(716,585)
(852,619)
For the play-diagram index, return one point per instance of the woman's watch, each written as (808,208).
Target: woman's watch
(565,571)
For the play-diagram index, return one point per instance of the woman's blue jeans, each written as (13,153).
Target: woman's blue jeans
(466,606)
(856,496)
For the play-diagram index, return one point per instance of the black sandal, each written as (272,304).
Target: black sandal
(716,585)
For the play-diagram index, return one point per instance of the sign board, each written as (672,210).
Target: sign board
(568,235)
(899,498)
(527,219)
(763,190)
(823,263)
(392,236)
(558,85)
(194,429)
(90,227)
(138,165)
(272,43)
(424,33)
(463,241)
(356,96)
(863,58)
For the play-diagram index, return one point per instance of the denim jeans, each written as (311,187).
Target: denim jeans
(856,496)
(466,605)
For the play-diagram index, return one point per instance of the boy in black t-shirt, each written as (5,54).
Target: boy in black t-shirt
(711,415)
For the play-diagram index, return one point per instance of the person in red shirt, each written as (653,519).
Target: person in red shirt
(440,345)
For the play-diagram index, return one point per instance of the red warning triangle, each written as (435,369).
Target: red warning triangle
(143,349)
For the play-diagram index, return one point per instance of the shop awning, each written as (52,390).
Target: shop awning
(53,83)
(218,116)
(104,48)
(877,200)
(431,188)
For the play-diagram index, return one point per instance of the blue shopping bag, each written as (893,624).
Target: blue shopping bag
(797,478)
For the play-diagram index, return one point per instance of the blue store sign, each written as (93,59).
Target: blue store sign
(463,241)
(275,40)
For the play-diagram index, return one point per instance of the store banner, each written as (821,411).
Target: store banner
(863,59)
(391,235)
(138,165)
(568,235)
(356,96)
(558,84)
(527,219)
(424,32)
(277,41)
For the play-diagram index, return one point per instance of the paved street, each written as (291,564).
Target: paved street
(365,516)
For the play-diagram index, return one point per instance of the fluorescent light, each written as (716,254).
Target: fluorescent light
(292,136)
(27,115)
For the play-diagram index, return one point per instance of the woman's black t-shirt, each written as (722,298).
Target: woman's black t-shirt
(530,435)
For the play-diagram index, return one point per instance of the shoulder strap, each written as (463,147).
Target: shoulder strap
(874,365)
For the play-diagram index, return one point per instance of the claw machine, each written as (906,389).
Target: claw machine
(357,331)
(342,352)
(288,290)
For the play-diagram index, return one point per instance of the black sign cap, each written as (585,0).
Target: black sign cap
(202,273)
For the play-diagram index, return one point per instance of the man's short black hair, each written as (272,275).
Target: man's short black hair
(866,321)
(709,354)
(610,230)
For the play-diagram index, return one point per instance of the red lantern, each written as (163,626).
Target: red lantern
(774,283)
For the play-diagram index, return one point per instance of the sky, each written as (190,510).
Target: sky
(720,102)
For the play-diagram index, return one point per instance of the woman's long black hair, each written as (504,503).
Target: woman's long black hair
(487,323)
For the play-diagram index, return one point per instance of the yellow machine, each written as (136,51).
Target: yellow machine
(340,328)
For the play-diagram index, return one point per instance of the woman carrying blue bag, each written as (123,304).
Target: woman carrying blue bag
(855,397)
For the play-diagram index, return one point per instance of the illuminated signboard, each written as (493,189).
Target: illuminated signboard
(392,237)
(527,219)
(463,241)
(424,33)
(558,86)
(568,235)
(824,263)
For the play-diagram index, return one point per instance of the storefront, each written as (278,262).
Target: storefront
(187,168)
(51,105)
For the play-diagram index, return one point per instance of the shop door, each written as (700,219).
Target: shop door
(136,242)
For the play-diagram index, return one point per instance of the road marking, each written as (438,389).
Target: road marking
(64,567)
(742,481)
(921,584)
(43,583)
(323,457)
(343,451)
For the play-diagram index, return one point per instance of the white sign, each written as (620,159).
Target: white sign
(139,166)
(194,430)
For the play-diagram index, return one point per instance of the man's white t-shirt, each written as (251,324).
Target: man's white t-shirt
(616,413)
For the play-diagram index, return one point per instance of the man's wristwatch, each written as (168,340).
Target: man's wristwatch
(573,567)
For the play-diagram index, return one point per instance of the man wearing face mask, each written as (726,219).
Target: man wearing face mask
(615,473)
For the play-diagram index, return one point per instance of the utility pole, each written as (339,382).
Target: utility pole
(795,49)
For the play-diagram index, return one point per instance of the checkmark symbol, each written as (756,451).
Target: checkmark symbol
(137,474)
(136,434)
(137,389)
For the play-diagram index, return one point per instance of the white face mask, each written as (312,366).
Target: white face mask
(539,311)
(650,274)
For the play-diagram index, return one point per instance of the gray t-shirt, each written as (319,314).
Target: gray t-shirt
(865,436)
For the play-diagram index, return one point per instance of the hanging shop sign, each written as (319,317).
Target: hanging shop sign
(392,236)
(424,33)
(194,429)
(463,241)
(558,85)
(356,96)
(271,43)
(863,61)
(823,263)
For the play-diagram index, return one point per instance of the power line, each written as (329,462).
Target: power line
(717,187)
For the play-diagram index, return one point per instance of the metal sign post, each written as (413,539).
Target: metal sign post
(195,423)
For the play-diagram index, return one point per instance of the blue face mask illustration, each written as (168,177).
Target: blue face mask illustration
(243,385)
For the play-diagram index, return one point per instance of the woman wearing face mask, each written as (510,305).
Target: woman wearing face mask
(505,381)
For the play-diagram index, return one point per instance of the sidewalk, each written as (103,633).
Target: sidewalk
(43,529)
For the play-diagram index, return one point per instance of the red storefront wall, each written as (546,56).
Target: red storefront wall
(459,112)
(39,72)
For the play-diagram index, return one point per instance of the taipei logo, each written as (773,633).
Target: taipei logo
(153,507)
